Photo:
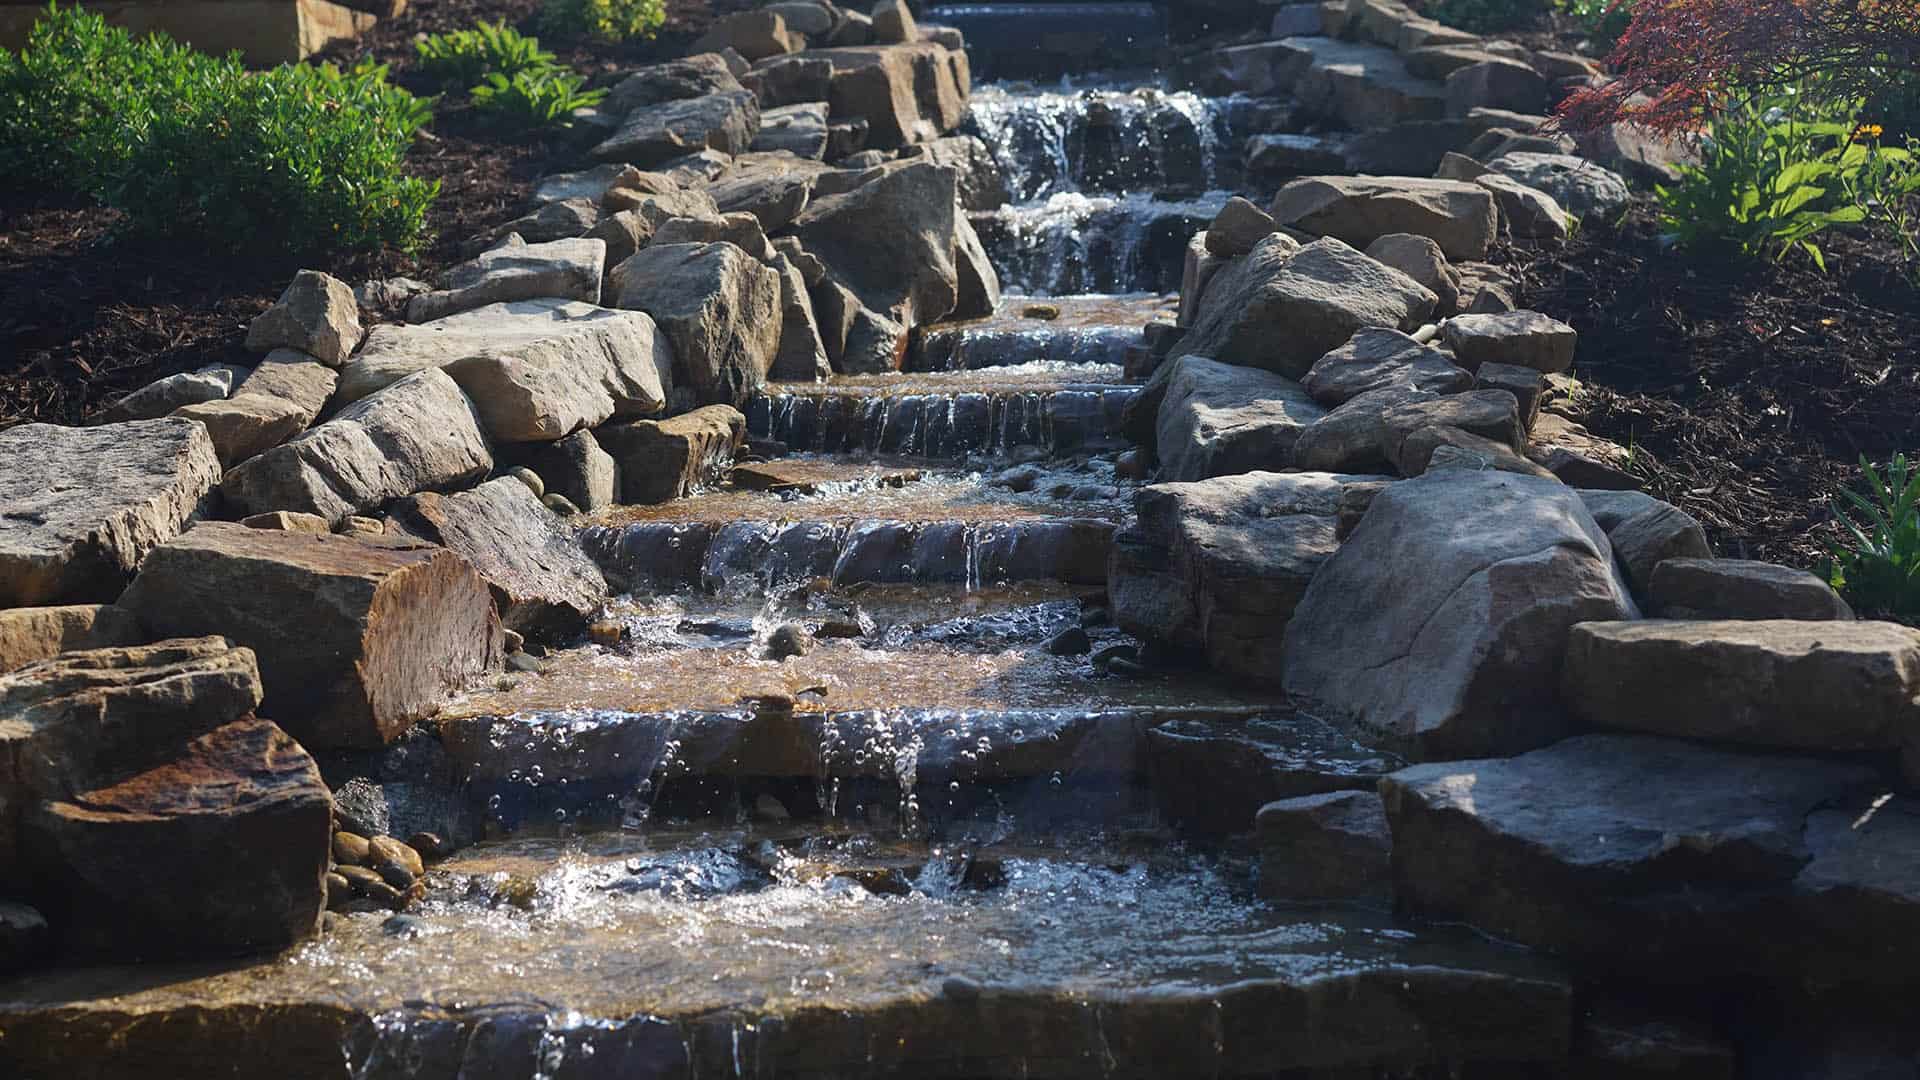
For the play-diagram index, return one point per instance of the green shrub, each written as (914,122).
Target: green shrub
(1489,16)
(534,99)
(1876,567)
(603,20)
(465,57)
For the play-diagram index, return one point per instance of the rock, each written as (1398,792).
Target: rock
(1644,540)
(1237,227)
(891,244)
(1218,419)
(418,434)
(798,129)
(1489,414)
(1325,847)
(1283,306)
(1422,260)
(219,851)
(387,298)
(564,269)
(350,849)
(854,28)
(1696,588)
(983,184)
(1210,777)
(530,479)
(31,634)
(1285,156)
(1375,359)
(653,135)
(1618,1041)
(1527,213)
(1823,685)
(535,370)
(560,505)
(978,287)
(662,460)
(694,76)
(1439,61)
(755,35)
(1353,437)
(1525,384)
(575,468)
(1586,190)
(282,396)
(1442,620)
(788,641)
(80,507)
(801,356)
(1460,217)
(316,315)
(1496,83)
(384,852)
(1073,641)
(24,937)
(1522,338)
(160,397)
(563,220)
(1217,567)
(1357,86)
(906,93)
(893,23)
(386,627)
(1460,167)
(355,525)
(1630,854)
(1647,158)
(741,229)
(719,308)
(591,184)
(543,584)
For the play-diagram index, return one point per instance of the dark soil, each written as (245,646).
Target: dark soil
(1748,391)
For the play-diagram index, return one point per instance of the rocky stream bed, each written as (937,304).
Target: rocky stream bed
(1095,573)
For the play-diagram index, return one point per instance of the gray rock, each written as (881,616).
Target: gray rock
(1375,359)
(893,23)
(534,369)
(798,129)
(560,269)
(688,77)
(1496,83)
(1360,86)
(803,16)
(81,507)
(1523,338)
(1644,540)
(543,583)
(589,184)
(1525,384)
(1334,846)
(907,94)
(978,285)
(1351,438)
(1489,414)
(1285,156)
(1283,306)
(754,35)
(1237,227)
(1460,217)
(1217,419)
(1527,213)
(563,220)
(663,460)
(316,315)
(742,230)
(983,184)
(1695,588)
(652,135)
(1442,621)
(773,187)
(1586,190)
(418,434)
(718,306)
(802,356)
(629,230)
(1210,776)
(277,401)
(1422,260)
(160,397)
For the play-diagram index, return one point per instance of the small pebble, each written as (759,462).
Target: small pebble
(405,926)
(386,851)
(960,988)
(430,846)
(1072,641)
(350,849)
(523,663)
(361,526)
(1047,312)
(607,632)
(788,641)
(531,479)
(1131,465)
(561,505)
(515,641)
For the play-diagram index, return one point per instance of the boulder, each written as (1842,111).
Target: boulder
(535,369)
(893,23)
(1217,419)
(1282,306)
(693,76)
(977,288)
(282,396)
(1496,83)
(1489,414)
(911,93)
(1634,855)
(652,135)
(1460,217)
(1522,338)
(287,521)
(798,129)
(382,628)
(1285,156)
(1649,537)
(983,184)
(663,460)
(31,634)
(316,315)
(755,35)
(220,850)
(1421,259)
(1334,846)
(591,184)
(1218,567)
(1356,86)
(631,229)
(718,306)
(1443,619)
(417,434)
(1526,213)
(1696,588)
(1438,446)
(543,583)
(562,220)
(1353,437)
(1584,189)
(563,269)
(162,396)
(80,507)
(1377,358)
(1823,685)
(773,187)
(1237,227)
(575,468)
(780,81)
(802,355)
(1525,384)
(741,229)
(891,244)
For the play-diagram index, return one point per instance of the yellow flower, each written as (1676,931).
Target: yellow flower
(1868,133)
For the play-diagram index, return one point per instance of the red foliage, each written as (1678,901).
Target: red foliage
(1679,56)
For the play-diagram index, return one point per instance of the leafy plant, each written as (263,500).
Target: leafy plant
(465,57)
(1775,172)
(1488,16)
(1877,566)
(604,20)
(534,99)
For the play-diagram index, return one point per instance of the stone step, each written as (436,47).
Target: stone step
(819,956)
(1072,242)
(949,414)
(1063,333)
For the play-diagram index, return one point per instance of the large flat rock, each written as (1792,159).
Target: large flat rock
(276,402)
(80,507)
(568,268)
(420,433)
(1443,620)
(536,370)
(544,584)
(1219,419)
(357,637)
(726,120)
(28,635)
(1461,217)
